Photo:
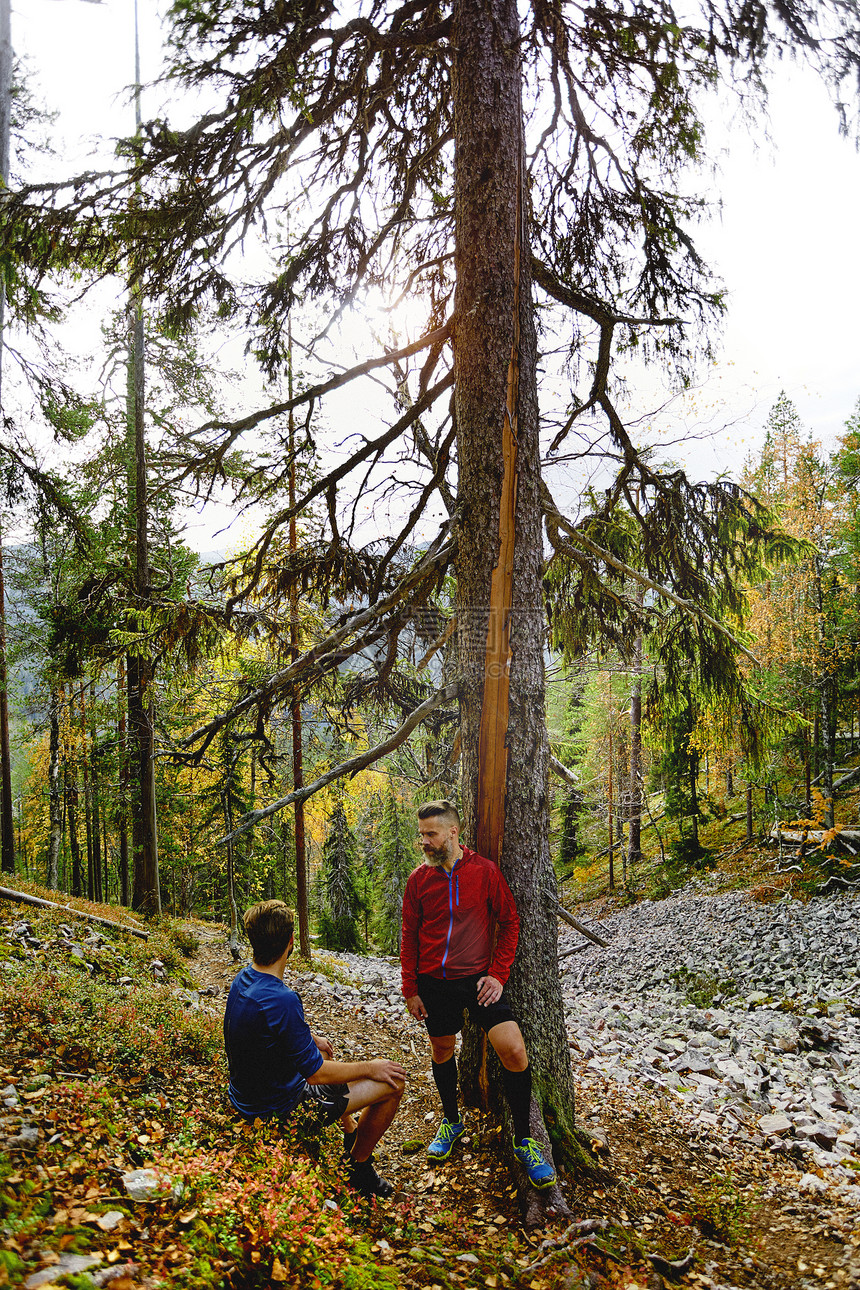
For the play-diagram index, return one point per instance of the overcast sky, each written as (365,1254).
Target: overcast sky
(786,245)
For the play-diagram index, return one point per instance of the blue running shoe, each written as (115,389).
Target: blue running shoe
(541,1174)
(443,1144)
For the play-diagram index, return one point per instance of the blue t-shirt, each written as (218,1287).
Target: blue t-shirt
(270,1049)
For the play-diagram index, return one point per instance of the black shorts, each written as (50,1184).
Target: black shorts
(446,1001)
(328,1101)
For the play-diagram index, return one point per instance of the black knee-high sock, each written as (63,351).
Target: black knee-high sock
(518,1090)
(445,1075)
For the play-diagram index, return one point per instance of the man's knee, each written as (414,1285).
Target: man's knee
(510,1046)
(442,1048)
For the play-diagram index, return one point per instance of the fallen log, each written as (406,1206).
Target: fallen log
(799,836)
(24,898)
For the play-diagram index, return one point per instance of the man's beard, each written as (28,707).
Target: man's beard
(436,856)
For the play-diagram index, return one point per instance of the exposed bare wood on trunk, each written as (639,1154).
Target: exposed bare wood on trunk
(498,499)
(493,739)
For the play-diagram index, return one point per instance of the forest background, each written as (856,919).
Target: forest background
(69,769)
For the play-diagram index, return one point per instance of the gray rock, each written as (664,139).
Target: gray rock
(144,1184)
(68,1264)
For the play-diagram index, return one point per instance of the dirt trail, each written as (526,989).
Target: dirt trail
(670,1194)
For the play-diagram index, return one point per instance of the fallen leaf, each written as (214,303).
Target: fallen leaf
(279,1272)
(185,1219)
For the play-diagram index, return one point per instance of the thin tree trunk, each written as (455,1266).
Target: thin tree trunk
(7,819)
(92,863)
(122,803)
(500,609)
(749,815)
(7,826)
(71,814)
(610,814)
(231,881)
(146,896)
(302,913)
(101,892)
(634,835)
(55,796)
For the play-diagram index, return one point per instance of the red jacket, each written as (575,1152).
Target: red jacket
(449,919)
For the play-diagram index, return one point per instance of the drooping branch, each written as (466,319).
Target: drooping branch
(689,606)
(326,652)
(394,740)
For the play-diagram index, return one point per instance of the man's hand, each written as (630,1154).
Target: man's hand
(324,1045)
(416,1007)
(386,1072)
(489,990)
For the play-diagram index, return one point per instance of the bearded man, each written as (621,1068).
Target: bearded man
(460,930)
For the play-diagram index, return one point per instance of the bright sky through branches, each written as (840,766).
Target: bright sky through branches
(786,246)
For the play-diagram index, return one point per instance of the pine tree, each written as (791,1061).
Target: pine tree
(395,861)
(342,903)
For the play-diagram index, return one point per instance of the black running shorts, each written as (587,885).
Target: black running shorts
(329,1101)
(446,1001)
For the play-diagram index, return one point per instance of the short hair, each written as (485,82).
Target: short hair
(441,807)
(270,929)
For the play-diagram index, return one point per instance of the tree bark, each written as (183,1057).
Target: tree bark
(749,815)
(122,802)
(500,610)
(7,826)
(302,914)
(7,820)
(55,796)
(146,896)
(77,885)
(634,833)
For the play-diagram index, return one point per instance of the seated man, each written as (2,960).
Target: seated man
(275,1062)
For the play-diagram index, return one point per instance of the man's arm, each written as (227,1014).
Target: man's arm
(416,1007)
(409,943)
(508,929)
(380,1069)
(324,1045)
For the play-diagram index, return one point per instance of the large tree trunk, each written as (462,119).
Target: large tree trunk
(500,610)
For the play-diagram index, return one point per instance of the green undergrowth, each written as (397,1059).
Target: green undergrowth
(114,1076)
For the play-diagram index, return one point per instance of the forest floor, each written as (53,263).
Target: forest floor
(106,1070)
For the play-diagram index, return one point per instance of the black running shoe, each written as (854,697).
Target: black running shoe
(364,1178)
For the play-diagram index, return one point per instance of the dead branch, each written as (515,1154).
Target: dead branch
(350,767)
(569,918)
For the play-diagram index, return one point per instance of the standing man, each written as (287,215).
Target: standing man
(275,1062)
(453,905)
